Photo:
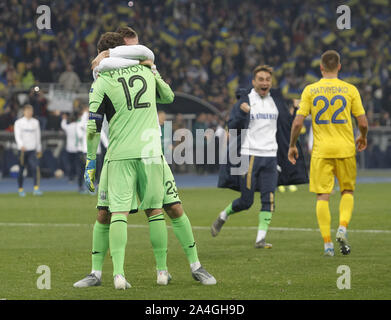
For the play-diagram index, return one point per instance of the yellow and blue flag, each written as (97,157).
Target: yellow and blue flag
(379,19)
(257,39)
(217,64)
(290,64)
(28,32)
(328,37)
(315,62)
(192,37)
(195,25)
(357,51)
(169,37)
(352,77)
(232,84)
(276,23)
(220,43)
(311,76)
(284,85)
(278,71)
(90,34)
(47,35)
(122,9)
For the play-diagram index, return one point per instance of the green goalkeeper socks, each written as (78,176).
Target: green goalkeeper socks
(158,237)
(184,233)
(100,245)
(118,237)
(265,217)
(229,209)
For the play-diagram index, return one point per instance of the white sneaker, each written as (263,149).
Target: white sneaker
(263,244)
(120,282)
(90,280)
(203,276)
(216,226)
(163,277)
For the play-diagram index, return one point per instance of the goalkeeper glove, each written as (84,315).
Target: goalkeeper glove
(89,174)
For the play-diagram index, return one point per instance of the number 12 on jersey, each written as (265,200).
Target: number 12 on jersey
(137,103)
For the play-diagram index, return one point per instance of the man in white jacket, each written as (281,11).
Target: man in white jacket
(28,139)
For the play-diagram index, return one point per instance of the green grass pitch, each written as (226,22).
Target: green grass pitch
(56,230)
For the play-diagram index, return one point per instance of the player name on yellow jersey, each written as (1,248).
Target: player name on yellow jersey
(327,90)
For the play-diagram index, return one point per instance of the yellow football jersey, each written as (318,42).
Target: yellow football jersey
(331,102)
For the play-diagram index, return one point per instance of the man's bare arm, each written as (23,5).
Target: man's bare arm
(361,140)
(297,124)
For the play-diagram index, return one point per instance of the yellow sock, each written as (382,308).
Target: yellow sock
(345,209)
(324,219)
(36,187)
(20,189)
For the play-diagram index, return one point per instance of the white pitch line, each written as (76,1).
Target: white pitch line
(78,225)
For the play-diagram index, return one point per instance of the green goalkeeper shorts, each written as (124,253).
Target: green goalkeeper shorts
(103,191)
(126,177)
(170,191)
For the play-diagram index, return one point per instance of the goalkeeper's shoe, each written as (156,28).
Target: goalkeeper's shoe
(89,174)
(263,244)
(120,282)
(203,276)
(163,277)
(343,242)
(89,281)
(216,226)
(22,193)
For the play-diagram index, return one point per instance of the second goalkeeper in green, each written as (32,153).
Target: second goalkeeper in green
(127,97)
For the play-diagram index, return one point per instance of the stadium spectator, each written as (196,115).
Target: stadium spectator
(39,103)
(69,125)
(218,42)
(69,79)
(205,48)
(28,140)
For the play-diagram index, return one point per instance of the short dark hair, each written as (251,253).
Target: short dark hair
(126,32)
(264,67)
(110,40)
(330,60)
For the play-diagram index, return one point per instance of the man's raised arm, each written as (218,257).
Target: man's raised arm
(136,52)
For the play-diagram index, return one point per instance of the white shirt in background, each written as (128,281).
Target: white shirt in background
(71,134)
(28,134)
(81,132)
(260,139)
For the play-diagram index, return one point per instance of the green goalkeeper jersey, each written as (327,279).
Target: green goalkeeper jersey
(127,97)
